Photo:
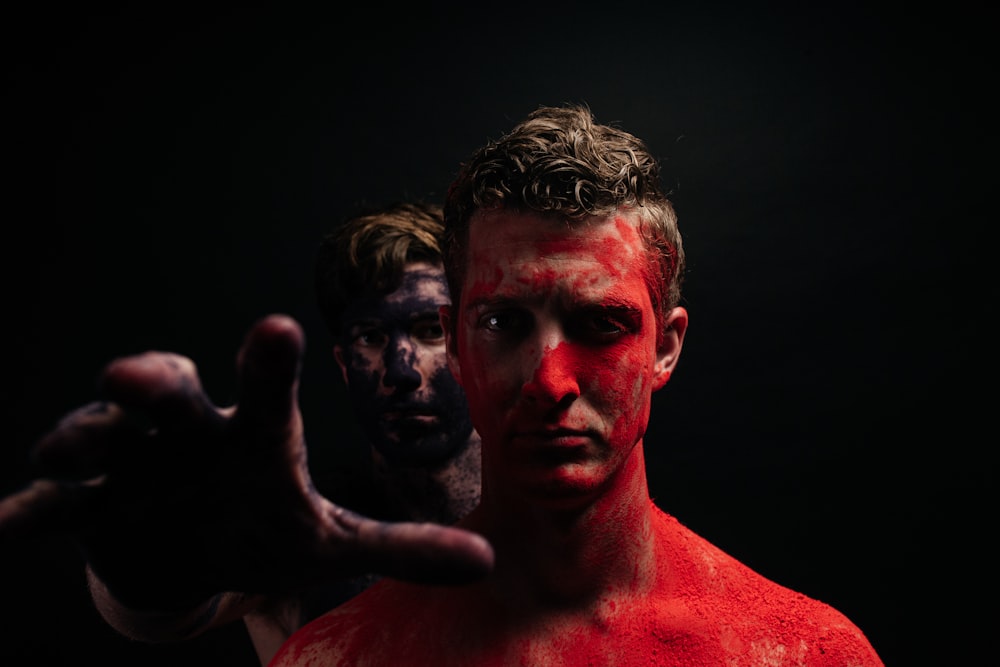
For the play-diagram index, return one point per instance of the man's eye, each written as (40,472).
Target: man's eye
(429,332)
(504,321)
(370,338)
(605,325)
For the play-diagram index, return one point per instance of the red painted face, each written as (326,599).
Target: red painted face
(557,350)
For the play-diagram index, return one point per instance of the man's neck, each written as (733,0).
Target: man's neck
(598,549)
(442,493)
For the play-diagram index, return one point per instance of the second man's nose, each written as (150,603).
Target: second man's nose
(401,365)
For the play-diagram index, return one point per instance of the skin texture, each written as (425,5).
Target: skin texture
(555,344)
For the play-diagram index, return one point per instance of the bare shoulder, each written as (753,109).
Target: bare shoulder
(354,632)
(750,615)
(706,607)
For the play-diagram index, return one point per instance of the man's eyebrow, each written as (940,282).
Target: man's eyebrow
(362,322)
(425,315)
(614,303)
(493,301)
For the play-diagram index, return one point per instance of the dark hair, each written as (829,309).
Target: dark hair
(560,162)
(369,252)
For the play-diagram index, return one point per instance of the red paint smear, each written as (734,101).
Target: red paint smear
(557,372)
(705,609)
(485,287)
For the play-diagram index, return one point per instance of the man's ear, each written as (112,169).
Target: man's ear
(451,344)
(338,354)
(670,348)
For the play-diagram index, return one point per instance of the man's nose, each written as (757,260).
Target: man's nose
(555,380)
(401,365)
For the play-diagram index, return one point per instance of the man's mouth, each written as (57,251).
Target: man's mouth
(556,438)
(410,416)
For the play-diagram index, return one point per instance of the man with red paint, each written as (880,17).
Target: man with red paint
(564,263)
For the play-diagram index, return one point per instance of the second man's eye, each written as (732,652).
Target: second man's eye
(369,338)
(429,332)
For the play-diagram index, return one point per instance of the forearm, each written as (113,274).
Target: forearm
(149,625)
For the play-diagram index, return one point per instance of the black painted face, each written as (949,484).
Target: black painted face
(405,397)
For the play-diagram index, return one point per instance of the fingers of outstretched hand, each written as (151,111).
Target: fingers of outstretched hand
(269,364)
(161,386)
(83,441)
(43,507)
(419,552)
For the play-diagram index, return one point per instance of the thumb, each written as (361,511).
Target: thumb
(418,552)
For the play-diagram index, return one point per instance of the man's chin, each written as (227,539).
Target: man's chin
(422,448)
(564,486)
(408,433)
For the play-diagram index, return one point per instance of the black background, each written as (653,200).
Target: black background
(170,174)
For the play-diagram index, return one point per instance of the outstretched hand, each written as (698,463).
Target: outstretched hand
(173,499)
